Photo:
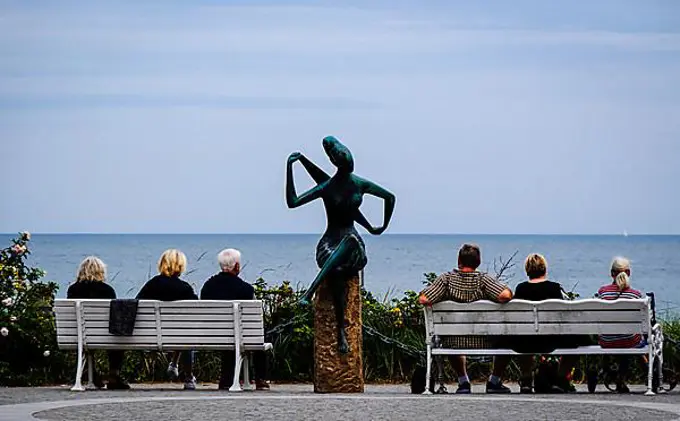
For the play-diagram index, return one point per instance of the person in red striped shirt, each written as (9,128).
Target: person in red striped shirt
(620,288)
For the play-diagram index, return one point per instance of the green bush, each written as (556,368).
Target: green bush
(28,349)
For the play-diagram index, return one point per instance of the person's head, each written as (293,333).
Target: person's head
(339,154)
(469,257)
(172,263)
(230,261)
(536,266)
(620,272)
(91,269)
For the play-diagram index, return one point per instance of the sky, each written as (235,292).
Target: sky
(490,117)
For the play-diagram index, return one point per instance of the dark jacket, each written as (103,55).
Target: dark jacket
(225,286)
(165,288)
(90,289)
(538,291)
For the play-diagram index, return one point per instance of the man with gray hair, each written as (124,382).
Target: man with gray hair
(227,285)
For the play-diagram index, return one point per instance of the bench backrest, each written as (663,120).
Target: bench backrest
(160,325)
(549,317)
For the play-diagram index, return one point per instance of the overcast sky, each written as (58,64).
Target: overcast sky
(482,117)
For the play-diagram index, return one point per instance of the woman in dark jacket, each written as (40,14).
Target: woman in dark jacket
(90,283)
(167,286)
(539,288)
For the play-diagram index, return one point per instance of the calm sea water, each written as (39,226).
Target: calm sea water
(396,262)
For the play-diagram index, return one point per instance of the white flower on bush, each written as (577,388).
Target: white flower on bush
(7,302)
(4,331)
(18,249)
(46,353)
(13,319)
(26,235)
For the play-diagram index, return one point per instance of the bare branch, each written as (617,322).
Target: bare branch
(505,266)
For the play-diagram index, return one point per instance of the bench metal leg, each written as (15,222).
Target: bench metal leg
(246,372)
(440,373)
(78,387)
(90,371)
(650,369)
(428,371)
(659,362)
(235,386)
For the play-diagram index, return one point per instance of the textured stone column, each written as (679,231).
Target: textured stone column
(335,372)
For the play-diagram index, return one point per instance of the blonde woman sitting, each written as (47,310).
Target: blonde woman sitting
(90,283)
(618,289)
(167,286)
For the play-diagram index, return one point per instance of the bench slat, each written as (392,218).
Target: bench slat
(575,316)
(583,350)
(72,324)
(89,308)
(553,305)
(176,310)
(65,302)
(165,317)
(543,329)
(151,340)
(100,332)
(173,347)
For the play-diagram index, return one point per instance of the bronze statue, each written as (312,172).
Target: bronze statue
(341,253)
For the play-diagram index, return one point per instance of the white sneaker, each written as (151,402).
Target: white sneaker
(173,371)
(190,384)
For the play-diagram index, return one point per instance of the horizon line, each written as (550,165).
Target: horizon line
(368,235)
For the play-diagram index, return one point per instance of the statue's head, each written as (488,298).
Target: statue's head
(338,153)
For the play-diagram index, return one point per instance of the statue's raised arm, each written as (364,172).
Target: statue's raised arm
(292,199)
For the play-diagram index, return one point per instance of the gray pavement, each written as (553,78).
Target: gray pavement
(168,402)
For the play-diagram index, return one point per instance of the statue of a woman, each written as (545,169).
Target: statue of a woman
(341,253)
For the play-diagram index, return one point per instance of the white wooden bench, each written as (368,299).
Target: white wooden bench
(549,317)
(83,325)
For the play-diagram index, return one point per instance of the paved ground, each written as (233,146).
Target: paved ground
(297,402)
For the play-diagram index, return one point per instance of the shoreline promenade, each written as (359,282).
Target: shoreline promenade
(164,401)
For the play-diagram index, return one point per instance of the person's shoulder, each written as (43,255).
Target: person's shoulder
(72,289)
(107,289)
(555,285)
(633,291)
(521,285)
(185,284)
(444,277)
(489,279)
(245,287)
(208,282)
(485,275)
(248,286)
(608,288)
(556,290)
(154,279)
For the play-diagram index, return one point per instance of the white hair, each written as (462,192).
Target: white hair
(228,259)
(619,267)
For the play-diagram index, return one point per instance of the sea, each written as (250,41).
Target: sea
(395,262)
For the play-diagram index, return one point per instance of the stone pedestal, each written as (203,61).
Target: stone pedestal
(335,372)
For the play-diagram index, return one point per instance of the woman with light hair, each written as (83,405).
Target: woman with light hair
(619,289)
(539,288)
(167,286)
(90,283)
